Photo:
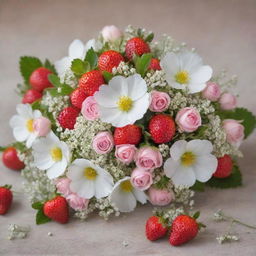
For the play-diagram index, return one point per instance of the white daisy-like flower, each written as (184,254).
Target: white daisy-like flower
(123,100)
(185,70)
(22,124)
(124,196)
(51,154)
(89,180)
(190,161)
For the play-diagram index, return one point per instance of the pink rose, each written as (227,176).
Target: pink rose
(234,131)
(228,101)
(125,153)
(212,91)
(90,109)
(103,142)
(160,101)
(76,202)
(148,158)
(160,197)
(141,179)
(62,186)
(111,33)
(42,126)
(188,119)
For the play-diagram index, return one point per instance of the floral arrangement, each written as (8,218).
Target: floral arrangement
(123,120)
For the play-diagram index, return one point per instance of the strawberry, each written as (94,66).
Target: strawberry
(39,79)
(67,117)
(161,128)
(154,64)
(109,59)
(11,160)
(57,209)
(224,168)
(31,96)
(129,134)
(5,199)
(136,46)
(91,81)
(77,97)
(155,229)
(184,228)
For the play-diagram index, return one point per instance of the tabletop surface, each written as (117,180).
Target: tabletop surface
(223,32)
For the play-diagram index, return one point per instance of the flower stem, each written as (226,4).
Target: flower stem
(233,220)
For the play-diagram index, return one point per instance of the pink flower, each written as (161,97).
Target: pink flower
(160,101)
(234,131)
(141,179)
(90,109)
(62,186)
(76,202)
(103,142)
(228,101)
(148,158)
(160,197)
(212,91)
(125,153)
(188,119)
(111,33)
(42,126)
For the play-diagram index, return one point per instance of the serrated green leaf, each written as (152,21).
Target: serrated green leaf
(65,90)
(50,66)
(107,76)
(198,186)
(150,37)
(92,58)
(41,218)
(80,67)
(53,91)
(54,79)
(28,65)
(37,205)
(36,105)
(142,63)
(196,215)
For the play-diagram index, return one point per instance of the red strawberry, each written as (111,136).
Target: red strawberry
(154,64)
(39,79)
(91,81)
(109,60)
(136,46)
(57,209)
(31,96)
(161,128)
(155,229)
(129,134)
(67,117)
(184,228)
(11,160)
(77,97)
(224,168)
(5,199)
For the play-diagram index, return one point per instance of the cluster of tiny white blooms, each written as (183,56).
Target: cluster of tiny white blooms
(218,216)
(17,231)
(178,101)
(184,196)
(84,214)
(227,238)
(106,208)
(123,69)
(164,150)
(69,79)
(157,175)
(155,79)
(223,81)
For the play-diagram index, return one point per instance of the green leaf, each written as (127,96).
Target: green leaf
(28,65)
(2,149)
(50,66)
(107,76)
(65,90)
(80,67)
(41,218)
(8,186)
(20,146)
(36,105)
(198,186)
(196,215)
(54,79)
(37,205)
(92,58)
(142,63)
(149,38)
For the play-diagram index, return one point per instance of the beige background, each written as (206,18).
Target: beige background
(224,32)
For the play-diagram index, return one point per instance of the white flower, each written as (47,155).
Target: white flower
(190,161)
(124,196)
(22,124)
(88,179)
(185,70)
(51,154)
(123,100)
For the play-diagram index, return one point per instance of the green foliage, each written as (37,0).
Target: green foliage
(50,66)
(80,67)
(198,186)
(37,205)
(196,215)
(163,182)
(142,63)
(41,218)
(107,76)
(92,58)
(59,88)
(149,38)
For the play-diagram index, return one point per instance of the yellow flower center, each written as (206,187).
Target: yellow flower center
(188,158)
(29,125)
(124,103)
(56,154)
(126,186)
(182,77)
(90,173)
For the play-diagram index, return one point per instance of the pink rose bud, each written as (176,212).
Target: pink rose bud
(111,33)
(228,101)
(234,131)
(63,186)
(76,202)
(125,153)
(160,197)
(42,126)
(148,158)
(141,179)
(90,109)
(103,142)
(188,119)
(212,91)
(160,101)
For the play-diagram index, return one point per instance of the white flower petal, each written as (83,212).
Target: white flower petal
(36,114)
(106,97)
(170,63)
(110,115)
(200,147)
(119,85)
(84,188)
(190,61)
(170,167)
(63,65)
(42,161)
(76,49)
(17,120)
(140,195)
(20,133)
(31,138)
(178,149)
(57,169)
(103,187)
(25,111)
(75,172)
(195,88)
(201,75)
(137,86)
(184,176)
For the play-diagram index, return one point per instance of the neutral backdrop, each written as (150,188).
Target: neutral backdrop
(224,32)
